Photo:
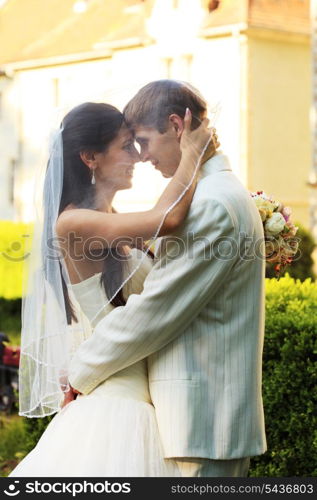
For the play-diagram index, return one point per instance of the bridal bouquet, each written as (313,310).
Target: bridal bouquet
(279,231)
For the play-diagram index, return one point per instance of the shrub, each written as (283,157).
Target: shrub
(302,267)
(289,380)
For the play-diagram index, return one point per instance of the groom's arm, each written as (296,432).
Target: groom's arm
(175,291)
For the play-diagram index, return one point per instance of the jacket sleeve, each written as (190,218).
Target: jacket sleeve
(180,284)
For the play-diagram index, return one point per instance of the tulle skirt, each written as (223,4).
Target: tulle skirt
(100,436)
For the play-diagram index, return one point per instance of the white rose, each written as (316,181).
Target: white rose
(275,224)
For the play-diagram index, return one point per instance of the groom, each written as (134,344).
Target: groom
(200,318)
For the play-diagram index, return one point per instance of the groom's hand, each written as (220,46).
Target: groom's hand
(212,146)
(70,396)
(200,137)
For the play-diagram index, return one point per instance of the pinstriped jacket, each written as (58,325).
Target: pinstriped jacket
(200,324)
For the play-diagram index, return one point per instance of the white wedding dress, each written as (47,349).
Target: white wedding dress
(111,432)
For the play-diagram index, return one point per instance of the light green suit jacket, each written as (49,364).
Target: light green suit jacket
(200,324)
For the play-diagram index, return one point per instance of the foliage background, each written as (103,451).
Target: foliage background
(289,380)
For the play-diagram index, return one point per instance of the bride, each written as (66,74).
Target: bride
(113,430)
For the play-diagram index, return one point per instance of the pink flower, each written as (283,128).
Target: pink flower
(286,212)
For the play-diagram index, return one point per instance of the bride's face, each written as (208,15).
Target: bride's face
(115,166)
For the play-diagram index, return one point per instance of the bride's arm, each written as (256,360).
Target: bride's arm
(87,223)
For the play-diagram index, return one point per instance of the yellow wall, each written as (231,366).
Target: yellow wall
(278,129)
(216,71)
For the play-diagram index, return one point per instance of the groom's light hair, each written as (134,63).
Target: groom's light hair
(155,102)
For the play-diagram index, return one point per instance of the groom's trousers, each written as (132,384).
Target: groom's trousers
(204,467)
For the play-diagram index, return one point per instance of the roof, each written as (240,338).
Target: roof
(283,15)
(37,29)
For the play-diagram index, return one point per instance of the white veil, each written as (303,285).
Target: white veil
(48,340)
(44,336)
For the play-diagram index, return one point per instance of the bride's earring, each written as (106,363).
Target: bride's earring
(93,180)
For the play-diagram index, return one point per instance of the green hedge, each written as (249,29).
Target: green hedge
(289,382)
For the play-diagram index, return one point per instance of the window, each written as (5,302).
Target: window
(213,5)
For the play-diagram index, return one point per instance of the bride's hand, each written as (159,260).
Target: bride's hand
(202,138)
(70,396)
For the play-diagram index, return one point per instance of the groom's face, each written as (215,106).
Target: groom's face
(162,150)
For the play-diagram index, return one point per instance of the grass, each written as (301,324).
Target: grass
(12,443)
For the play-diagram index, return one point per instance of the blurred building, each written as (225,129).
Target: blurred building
(250,58)
(313,173)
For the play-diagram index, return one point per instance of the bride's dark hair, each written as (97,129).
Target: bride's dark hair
(89,127)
